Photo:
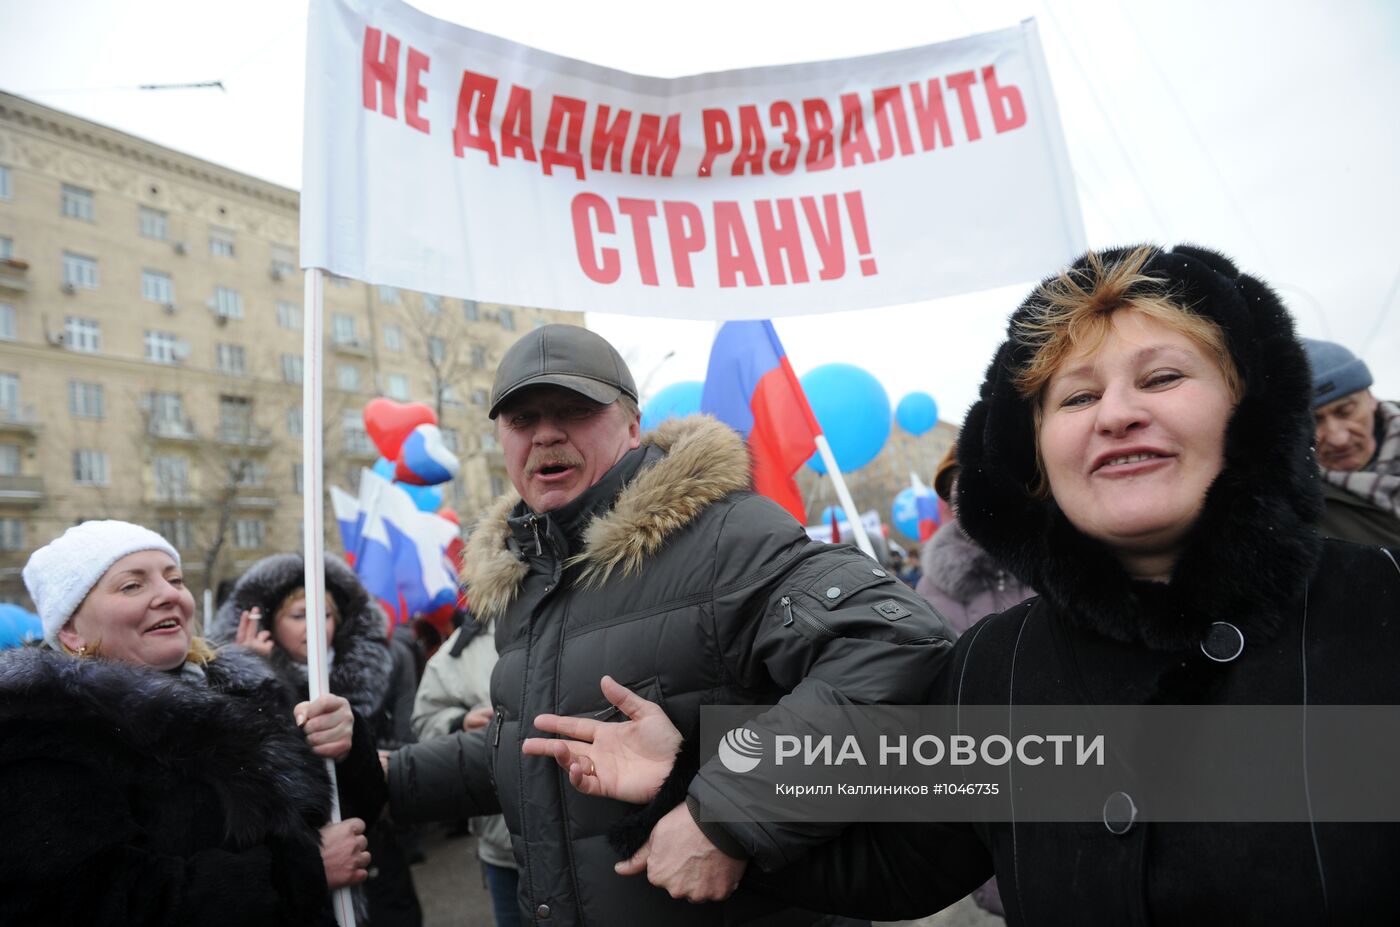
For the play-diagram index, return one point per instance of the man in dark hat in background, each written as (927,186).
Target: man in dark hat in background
(646,557)
(1358,448)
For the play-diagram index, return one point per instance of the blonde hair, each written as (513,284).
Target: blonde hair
(1073,313)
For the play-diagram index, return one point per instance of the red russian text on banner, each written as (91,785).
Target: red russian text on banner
(449,161)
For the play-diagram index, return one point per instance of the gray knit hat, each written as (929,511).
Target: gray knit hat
(1336,372)
(60,574)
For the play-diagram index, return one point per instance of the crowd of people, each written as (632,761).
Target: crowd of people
(1162,496)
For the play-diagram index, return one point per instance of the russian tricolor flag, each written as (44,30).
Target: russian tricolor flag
(750,386)
(398,552)
(927,502)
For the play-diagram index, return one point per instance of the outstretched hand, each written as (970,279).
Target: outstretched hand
(626,760)
(250,633)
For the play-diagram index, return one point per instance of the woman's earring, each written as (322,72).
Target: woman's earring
(82,651)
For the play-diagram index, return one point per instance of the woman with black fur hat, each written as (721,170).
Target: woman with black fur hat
(267,613)
(149,778)
(1141,455)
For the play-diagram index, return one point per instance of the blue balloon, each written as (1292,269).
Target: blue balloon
(427,498)
(854,412)
(675,401)
(905,513)
(17,626)
(384,467)
(841,518)
(916,413)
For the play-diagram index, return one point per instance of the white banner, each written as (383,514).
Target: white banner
(453,162)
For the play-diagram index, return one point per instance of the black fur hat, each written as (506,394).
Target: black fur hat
(1253,546)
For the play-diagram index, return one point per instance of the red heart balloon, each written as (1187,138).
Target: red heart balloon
(389,423)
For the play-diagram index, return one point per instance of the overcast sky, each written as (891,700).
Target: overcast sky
(1265,129)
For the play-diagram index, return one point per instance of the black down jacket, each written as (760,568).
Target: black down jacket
(138,797)
(676,580)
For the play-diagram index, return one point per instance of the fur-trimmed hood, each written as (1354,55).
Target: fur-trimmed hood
(704,462)
(363,663)
(1253,547)
(233,732)
(953,563)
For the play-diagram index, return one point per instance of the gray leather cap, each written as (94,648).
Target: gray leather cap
(563,355)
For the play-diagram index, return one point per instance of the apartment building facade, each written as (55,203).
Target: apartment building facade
(151,352)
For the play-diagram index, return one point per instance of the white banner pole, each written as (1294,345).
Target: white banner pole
(842,493)
(313,531)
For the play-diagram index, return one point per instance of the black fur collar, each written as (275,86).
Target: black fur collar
(233,732)
(1250,554)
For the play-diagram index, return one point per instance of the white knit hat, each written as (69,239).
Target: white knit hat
(60,574)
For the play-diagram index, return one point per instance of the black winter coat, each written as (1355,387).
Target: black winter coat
(1320,622)
(674,579)
(135,797)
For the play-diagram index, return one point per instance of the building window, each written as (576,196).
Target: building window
(247,533)
(337,281)
(77,203)
(246,473)
(157,287)
(498,486)
(82,334)
(397,387)
(488,442)
(85,400)
(4,182)
(228,303)
(291,368)
(294,421)
(167,413)
(284,261)
(288,315)
(432,304)
(9,395)
(7,322)
(478,356)
(388,294)
(347,377)
(229,358)
(9,459)
(163,348)
(342,328)
(7,248)
(79,271)
(448,394)
(479,396)
(176,531)
(235,417)
(11,534)
(470,310)
(393,338)
(450,439)
(298,481)
(89,467)
(507,317)
(220,241)
(437,349)
(171,474)
(352,427)
(153,224)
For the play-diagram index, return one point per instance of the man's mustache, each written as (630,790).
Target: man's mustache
(536,464)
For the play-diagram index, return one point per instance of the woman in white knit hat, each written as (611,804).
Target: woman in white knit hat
(150,778)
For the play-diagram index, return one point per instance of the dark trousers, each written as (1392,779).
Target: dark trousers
(504,884)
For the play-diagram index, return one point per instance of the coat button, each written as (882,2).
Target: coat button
(833,592)
(1119,813)
(1223,642)
(542,911)
(879,572)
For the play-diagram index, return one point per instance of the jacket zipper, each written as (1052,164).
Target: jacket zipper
(534,521)
(812,621)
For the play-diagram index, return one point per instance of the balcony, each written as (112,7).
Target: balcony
(21,490)
(255,502)
(14,275)
(166,429)
(17,419)
(353,346)
(244,436)
(167,497)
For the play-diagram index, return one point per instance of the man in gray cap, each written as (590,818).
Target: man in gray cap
(1358,448)
(646,557)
